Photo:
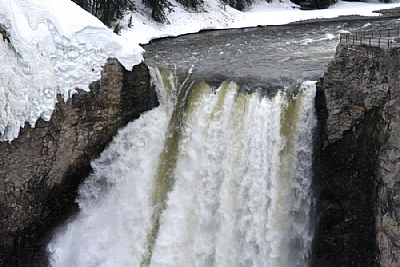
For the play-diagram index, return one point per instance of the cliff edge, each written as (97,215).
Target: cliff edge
(41,170)
(358,159)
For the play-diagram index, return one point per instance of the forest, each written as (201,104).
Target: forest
(109,11)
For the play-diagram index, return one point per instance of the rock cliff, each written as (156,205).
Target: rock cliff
(41,170)
(357,161)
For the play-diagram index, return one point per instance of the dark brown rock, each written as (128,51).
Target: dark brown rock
(41,170)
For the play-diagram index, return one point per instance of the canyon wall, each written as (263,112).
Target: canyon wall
(41,170)
(358,159)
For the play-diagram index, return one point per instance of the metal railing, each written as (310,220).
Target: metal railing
(389,38)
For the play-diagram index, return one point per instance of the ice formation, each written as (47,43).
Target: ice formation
(52,47)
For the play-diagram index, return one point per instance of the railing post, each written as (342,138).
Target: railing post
(383,38)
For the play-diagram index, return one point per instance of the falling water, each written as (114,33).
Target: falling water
(212,177)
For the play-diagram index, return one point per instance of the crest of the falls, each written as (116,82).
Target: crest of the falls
(212,177)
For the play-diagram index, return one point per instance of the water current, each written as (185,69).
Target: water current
(219,174)
(278,55)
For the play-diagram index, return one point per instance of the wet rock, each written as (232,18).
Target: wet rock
(41,170)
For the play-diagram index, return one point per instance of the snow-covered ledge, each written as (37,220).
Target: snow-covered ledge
(52,47)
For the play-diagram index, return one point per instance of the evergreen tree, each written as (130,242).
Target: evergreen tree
(193,4)
(240,4)
(314,4)
(106,10)
(109,11)
(130,22)
(157,9)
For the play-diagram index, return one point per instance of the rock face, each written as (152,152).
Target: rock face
(357,161)
(41,170)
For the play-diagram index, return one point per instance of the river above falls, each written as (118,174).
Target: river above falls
(255,57)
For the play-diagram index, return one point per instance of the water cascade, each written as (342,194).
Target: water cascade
(214,176)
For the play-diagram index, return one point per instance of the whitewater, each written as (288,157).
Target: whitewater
(215,176)
(212,177)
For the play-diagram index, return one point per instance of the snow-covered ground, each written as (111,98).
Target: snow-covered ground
(55,47)
(216,16)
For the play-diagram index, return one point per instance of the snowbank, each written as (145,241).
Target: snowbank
(55,47)
(216,16)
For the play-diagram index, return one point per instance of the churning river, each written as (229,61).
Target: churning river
(220,174)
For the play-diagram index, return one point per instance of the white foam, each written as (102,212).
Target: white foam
(241,193)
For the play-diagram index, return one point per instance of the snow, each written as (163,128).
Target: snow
(216,16)
(57,48)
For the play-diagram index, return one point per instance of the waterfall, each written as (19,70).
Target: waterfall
(212,177)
